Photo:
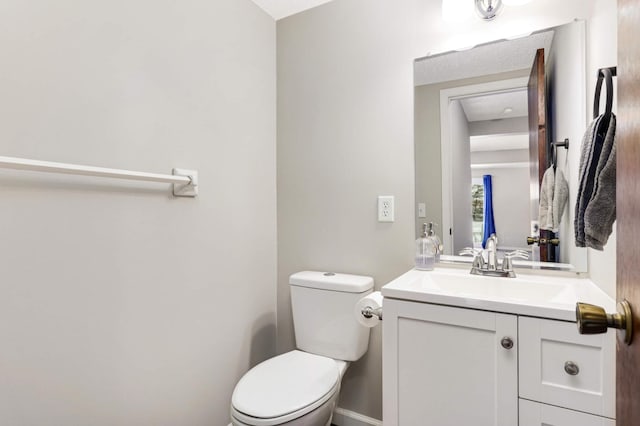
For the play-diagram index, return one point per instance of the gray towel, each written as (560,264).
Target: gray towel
(601,210)
(589,156)
(560,198)
(545,214)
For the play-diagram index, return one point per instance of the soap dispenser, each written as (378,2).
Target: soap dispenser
(431,234)
(425,251)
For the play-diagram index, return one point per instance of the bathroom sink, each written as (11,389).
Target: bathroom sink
(490,287)
(528,294)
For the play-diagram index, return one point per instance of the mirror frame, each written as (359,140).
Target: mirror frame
(577,265)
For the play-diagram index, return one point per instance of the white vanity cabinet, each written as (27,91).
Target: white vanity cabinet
(452,366)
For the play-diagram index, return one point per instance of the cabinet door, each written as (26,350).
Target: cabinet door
(537,414)
(445,366)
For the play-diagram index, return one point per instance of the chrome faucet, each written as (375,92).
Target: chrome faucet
(491,267)
(492,258)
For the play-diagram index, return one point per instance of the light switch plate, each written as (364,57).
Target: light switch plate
(422,210)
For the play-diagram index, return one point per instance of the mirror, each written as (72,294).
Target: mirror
(472,120)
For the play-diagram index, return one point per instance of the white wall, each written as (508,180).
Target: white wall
(505,125)
(345,134)
(600,51)
(501,156)
(119,304)
(602,42)
(566,67)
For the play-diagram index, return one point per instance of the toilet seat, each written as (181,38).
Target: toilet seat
(284,388)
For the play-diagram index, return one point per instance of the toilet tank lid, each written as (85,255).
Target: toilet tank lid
(332,281)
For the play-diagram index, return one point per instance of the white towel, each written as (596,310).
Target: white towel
(560,198)
(545,215)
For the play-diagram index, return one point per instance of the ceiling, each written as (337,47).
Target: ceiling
(494,106)
(491,58)
(279,9)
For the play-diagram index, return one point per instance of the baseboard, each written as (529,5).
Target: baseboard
(342,417)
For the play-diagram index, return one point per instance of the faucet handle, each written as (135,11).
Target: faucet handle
(478,259)
(520,254)
(469,251)
(507,262)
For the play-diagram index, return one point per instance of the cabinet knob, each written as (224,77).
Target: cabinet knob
(593,319)
(507,342)
(571,368)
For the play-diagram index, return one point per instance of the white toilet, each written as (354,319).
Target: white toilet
(301,387)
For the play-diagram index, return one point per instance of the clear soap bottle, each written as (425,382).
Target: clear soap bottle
(425,251)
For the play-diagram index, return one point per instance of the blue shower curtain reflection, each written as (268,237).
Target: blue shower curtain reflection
(489,226)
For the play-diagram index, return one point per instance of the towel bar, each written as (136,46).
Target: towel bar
(185,182)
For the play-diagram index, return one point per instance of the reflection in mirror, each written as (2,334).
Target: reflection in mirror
(479,148)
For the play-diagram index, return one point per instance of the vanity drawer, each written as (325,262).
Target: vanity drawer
(559,366)
(537,414)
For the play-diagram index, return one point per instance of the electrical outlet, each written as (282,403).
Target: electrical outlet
(385,208)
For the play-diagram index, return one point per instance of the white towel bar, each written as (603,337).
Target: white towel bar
(185,182)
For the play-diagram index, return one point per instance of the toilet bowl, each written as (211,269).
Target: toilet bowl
(292,389)
(301,387)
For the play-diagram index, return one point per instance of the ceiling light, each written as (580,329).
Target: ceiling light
(488,9)
(460,10)
(507,110)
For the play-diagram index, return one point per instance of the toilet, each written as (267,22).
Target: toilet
(301,387)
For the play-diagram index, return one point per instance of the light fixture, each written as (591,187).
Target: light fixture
(460,10)
(488,9)
(507,110)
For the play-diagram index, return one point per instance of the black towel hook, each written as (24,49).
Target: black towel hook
(608,74)
(554,157)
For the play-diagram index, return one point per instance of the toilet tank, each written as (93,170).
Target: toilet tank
(323,305)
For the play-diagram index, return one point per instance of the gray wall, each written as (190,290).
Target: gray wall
(345,135)
(460,178)
(119,304)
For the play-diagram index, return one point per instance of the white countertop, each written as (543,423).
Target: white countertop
(543,296)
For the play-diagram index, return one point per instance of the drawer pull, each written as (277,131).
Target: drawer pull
(506,342)
(571,368)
